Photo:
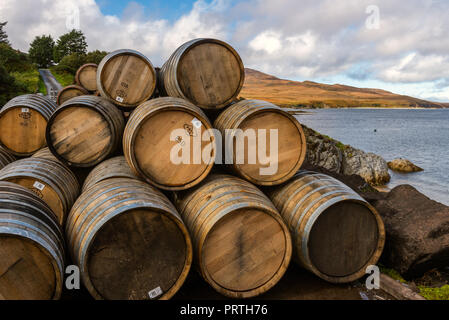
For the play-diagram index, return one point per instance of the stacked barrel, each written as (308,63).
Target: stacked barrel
(153,200)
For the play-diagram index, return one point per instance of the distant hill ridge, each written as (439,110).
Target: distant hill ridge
(259,85)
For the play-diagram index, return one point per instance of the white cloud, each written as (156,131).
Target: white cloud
(307,39)
(268,41)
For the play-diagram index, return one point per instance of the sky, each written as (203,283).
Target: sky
(396,45)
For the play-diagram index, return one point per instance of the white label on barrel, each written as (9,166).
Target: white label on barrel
(119,99)
(38,185)
(25,110)
(196,123)
(155,293)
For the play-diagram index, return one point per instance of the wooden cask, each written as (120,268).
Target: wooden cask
(84,131)
(70,92)
(31,247)
(126,77)
(242,247)
(50,180)
(22,124)
(86,77)
(251,116)
(116,167)
(45,153)
(336,234)
(207,72)
(159,126)
(129,241)
(5,157)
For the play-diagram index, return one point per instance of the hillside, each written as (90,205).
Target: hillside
(262,86)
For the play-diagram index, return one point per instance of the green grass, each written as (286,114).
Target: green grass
(28,79)
(392,274)
(441,293)
(41,86)
(429,293)
(64,78)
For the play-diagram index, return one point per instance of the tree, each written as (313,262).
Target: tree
(95,56)
(72,42)
(71,63)
(9,88)
(14,60)
(3,35)
(41,51)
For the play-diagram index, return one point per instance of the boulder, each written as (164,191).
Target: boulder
(336,157)
(403,165)
(322,151)
(371,167)
(417,231)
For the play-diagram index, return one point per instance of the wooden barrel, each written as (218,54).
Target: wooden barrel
(159,126)
(31,247)
(22,123)
(126,77)
(86,77)
(129,241)
(242,246)
(207,72)
(116,167)
(45,153)
(70,92)
(5,157)
(254,115)
(336,234)
(51,181)
(84,131)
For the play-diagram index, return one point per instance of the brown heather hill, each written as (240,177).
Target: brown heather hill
(262,86)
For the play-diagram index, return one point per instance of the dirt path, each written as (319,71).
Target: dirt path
(52,85)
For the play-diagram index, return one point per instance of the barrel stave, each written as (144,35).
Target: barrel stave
(336,233)
(147,143)
(119,212)
(207,72)
(242,247)
(23,120)
(50,180)
(255,115)
(32,247)
(84,131)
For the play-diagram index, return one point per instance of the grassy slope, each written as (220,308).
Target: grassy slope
(31,80)
(64,78)
(311,94)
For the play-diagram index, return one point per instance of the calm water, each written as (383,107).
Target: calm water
(422,136)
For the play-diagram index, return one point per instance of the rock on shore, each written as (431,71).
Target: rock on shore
(417,231)
(334,156)
(403,165)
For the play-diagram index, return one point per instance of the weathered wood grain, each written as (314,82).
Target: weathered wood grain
(207,72)
(147,143)
(86,77)
(336,234)
(84,131)
(31,247)
(70,92)
(242,245)
(22,124)
(258,115)
(126,78)
(128,240)
(50,180)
